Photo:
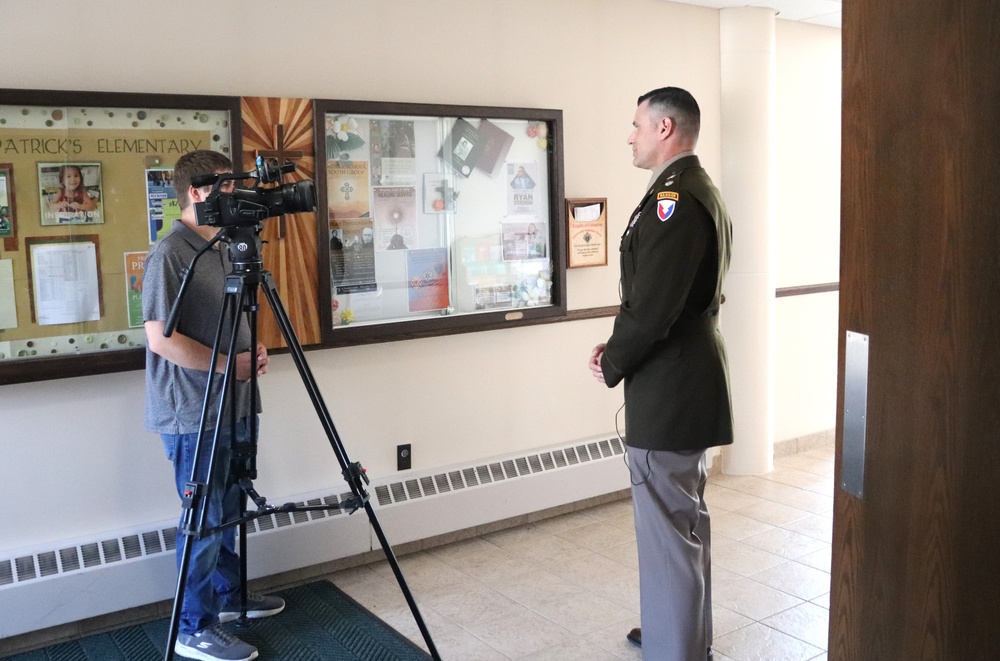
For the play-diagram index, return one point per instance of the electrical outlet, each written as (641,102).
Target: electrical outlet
(403,457)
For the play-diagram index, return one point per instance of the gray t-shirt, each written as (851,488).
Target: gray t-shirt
(175,395)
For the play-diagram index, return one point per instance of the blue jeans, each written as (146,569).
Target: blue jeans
(213,577)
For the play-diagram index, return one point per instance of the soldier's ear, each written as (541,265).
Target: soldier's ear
(667,127)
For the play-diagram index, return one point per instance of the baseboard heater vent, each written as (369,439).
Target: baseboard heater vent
(86,556)
(130,546)
(138,545)
(477,476)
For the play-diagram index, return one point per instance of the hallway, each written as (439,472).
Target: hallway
(567,588)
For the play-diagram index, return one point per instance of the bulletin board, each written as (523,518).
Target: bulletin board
(85,189)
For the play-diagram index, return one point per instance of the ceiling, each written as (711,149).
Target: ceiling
(819,12)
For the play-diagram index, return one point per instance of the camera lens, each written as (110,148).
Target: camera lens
(297,197)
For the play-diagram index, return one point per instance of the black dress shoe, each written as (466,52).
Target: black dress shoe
(635,637)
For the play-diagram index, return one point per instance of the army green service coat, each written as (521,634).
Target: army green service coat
(666,344)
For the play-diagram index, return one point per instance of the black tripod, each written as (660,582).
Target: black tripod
(241,295)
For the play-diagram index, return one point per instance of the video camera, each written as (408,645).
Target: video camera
(246,207)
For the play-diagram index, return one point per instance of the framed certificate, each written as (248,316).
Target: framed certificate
(587,224)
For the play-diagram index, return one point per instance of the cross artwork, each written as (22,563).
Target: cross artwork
(447,192)
(347,189)
(280,153)
(448,196)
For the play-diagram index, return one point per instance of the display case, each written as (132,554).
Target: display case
(85,189)
(439,219)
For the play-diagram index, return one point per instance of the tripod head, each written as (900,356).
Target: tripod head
(245,247)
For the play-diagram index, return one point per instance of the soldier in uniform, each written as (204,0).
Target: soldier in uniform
(667,348)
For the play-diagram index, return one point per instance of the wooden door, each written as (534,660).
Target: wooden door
(916,558)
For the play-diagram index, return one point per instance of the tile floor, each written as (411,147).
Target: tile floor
(567,588)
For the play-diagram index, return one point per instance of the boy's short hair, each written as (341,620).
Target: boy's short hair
(194,164)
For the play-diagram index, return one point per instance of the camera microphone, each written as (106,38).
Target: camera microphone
(269,170)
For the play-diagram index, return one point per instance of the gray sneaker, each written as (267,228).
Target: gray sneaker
(213,643)
(258,605)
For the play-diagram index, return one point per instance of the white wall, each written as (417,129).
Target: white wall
(808,226)
(74,459)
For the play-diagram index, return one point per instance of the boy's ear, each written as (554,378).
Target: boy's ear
(195,194)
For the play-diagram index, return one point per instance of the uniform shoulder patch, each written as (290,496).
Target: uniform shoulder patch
(665,209)
(668,195)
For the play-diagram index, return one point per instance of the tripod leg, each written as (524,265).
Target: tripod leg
(196,495)
(243,620)
(352,475)
(246,458)
(190,503)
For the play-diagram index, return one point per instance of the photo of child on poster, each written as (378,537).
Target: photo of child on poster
(522,196)
(70,193)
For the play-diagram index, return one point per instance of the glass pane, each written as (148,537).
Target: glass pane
(433,216)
